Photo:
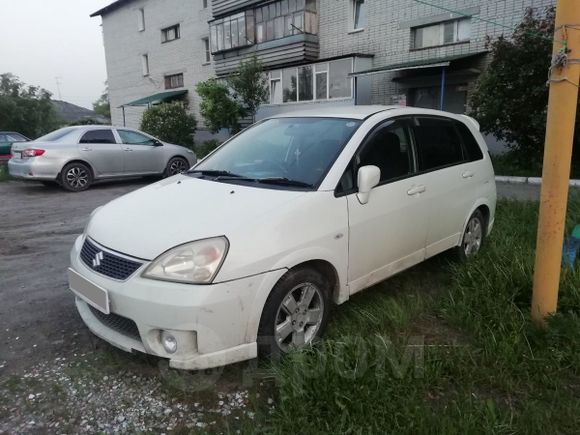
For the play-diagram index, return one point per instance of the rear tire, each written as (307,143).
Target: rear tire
(176,165)
(295,314)
(76,177)
(473,237)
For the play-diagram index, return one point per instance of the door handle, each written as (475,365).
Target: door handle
(86,149)
(128,149)
(467,174)
(416,190)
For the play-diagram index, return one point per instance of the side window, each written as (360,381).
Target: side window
(129,137)
(470,145)
(98,136)
(438,143)
(389,149)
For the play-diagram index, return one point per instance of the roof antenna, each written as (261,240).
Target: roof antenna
(57,80)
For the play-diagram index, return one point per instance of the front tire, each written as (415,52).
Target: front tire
(295,314)
(473,237)
(176,165)
(76,177)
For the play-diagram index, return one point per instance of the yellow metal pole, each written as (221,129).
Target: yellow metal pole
(562,104)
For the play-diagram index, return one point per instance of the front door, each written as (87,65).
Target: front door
(99,148)
(387,234)
(143,155)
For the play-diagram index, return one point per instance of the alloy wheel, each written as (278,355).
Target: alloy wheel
(177,166)
(299,317)
(77,177)
(473,237)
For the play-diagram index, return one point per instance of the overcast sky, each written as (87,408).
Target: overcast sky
(44,39)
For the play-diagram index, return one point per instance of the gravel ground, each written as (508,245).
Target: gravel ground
(57,377)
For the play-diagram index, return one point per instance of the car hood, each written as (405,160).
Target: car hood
(180,209)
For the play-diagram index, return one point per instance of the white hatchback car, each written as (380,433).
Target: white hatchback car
(245,253)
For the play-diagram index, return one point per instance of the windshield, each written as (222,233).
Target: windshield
(298,151)
(56,135)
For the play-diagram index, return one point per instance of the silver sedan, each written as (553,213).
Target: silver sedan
(75,157)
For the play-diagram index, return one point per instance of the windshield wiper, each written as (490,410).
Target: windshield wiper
(214,173)
(283,181)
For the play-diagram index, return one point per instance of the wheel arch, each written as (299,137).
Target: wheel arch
(84,162)
(484,206)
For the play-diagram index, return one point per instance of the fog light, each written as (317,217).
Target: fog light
(169,342)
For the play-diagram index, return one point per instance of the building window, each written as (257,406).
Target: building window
(170,33)
(320,81)
(206,49)
(448,32)
(359,14)
(265,23)
(145,64)
(204,3)
(174,81)
(141,19)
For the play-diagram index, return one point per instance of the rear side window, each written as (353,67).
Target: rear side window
(98,136)
(471,146)
(438,143)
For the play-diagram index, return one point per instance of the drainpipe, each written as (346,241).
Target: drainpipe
(442,92)
(123,108)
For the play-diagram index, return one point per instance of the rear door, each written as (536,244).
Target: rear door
(100,148)
(387,234)
(143,155)
(448,177)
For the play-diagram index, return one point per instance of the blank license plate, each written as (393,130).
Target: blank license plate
(97,296)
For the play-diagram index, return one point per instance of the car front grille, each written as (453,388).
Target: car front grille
(117,323)
(107,263)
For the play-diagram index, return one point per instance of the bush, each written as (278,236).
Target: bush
(206,147)
(170,122)
(218,107)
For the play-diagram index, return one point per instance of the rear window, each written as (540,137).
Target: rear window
(471,146)
(98,136)
(438,143)
(56,135)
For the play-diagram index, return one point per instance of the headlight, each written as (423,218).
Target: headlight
(193,263)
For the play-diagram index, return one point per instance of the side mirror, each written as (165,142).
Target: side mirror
(368,177)
(157,143)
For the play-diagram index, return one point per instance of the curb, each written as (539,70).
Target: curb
(528,180)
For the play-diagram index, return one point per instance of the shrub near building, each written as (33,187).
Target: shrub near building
(170,122)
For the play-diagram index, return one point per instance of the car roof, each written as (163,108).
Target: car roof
(363,112)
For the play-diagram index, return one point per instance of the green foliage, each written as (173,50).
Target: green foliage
(250,85)
(170,122)
(224,104)
(511,97)
(218,107)
(206,147)
(102,106)
(25,109)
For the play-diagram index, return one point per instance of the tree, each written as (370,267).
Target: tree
(25,109)
(102,106)
(218,106)
(170,122)
(511,98)
(250,86)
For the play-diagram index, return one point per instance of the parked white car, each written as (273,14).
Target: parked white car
(245,253)
(75,157)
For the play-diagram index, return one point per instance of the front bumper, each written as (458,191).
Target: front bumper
(214,325)
(33,168)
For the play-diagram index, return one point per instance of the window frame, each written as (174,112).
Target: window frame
(207,50)
(441,26)
(165,33)
(141,19)
(452,121)
(110,130)
(151,139)
(354,4)
(353,164)
(170,78)
(145,64)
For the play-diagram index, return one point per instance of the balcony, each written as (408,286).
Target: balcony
(283,32)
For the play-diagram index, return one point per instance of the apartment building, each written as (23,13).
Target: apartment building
(426,53)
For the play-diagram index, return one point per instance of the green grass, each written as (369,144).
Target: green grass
(483,368)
